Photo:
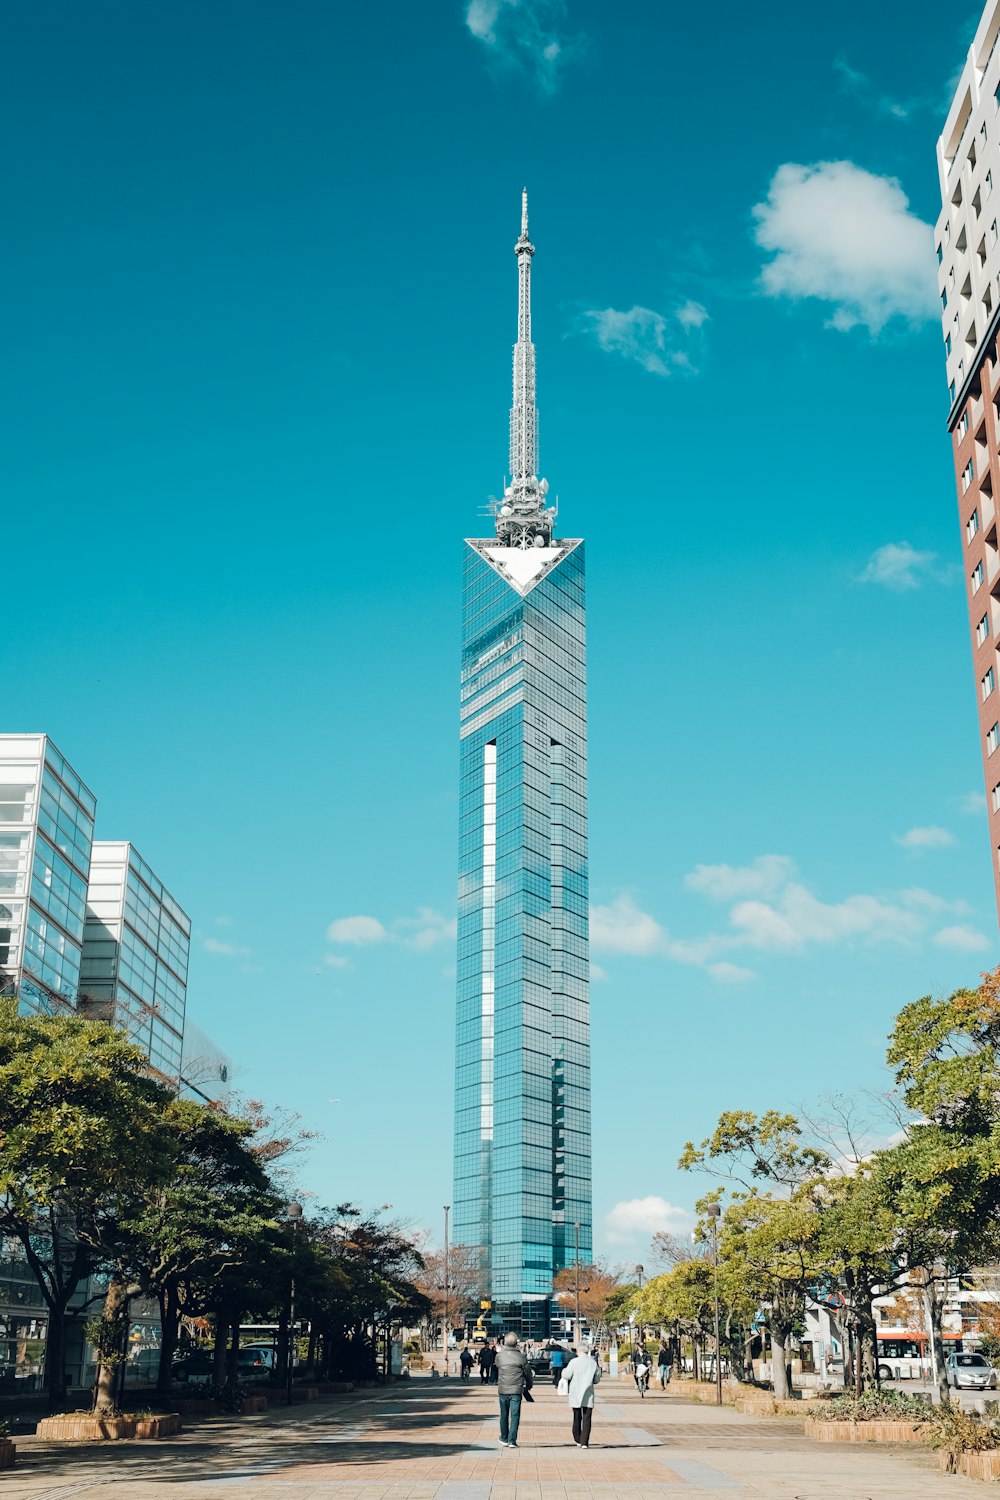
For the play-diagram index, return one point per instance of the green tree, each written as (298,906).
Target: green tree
(78,1134)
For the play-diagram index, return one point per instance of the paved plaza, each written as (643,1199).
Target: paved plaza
(437,1440)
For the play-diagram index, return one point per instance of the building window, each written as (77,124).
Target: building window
(977,576)
(988,683)
(940,254)
(972,526)
(944,299)
(947,345)
(951,391)
(963,424)
(993,739)
(967,476)
(996,797)
(993,232)
(989,183)
(982,630)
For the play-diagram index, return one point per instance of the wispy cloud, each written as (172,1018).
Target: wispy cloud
(224,950)
(846,237)
(924,838)
(661,343)
(531,37)
(899,566)
(770,910)
(427,929)
(971,804)
(868,93)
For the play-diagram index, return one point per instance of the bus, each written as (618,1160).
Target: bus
(903,1355)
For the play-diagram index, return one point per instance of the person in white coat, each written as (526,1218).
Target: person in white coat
(578,1381)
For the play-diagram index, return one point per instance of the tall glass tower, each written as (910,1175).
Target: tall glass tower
(522,1081)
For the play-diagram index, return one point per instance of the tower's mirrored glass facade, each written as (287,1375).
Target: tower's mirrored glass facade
(522,1139)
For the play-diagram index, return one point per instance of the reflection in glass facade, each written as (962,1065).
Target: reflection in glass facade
(135,954)
(46,833)
(522,1124)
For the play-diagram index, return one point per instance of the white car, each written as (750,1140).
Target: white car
(972,1370)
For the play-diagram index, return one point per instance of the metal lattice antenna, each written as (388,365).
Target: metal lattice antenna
(523,519)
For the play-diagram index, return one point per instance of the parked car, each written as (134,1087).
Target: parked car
(198,1368)
(972,1370)
(265,1353)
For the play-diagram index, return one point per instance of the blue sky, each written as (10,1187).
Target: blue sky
(261,303)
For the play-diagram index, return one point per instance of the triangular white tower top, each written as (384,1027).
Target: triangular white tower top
(523,567)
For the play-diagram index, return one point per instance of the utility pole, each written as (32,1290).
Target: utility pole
(713,1213)
(447,1365)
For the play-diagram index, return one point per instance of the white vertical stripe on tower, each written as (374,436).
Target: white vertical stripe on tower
(489,935)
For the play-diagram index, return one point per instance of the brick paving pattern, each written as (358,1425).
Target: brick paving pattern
(438,1441)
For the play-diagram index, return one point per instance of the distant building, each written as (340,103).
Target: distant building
(206,1071)
(135,955)
(46,834)
(967,240)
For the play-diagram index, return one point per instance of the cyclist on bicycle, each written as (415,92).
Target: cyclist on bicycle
(641,1363)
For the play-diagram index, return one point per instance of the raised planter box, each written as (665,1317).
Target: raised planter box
(305,1393)
(7,1453)
(253,1404)
(78,1427)
(864,1432)
(335,1387)
(972,1465)
(198,1406)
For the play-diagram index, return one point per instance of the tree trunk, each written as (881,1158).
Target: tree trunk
(111,1348)
(282,1349)
(55,1358)
(695,1368)
(779,1377)
(219,1350)
(311,1354)
(232,1357)
(169,1323)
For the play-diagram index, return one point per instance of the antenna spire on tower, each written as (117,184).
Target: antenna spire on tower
(523,519)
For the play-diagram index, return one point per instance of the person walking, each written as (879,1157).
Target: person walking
(485,1361)
(557,1363)
(664,1364)
(578,1380)
(466,1361)
(513,1375)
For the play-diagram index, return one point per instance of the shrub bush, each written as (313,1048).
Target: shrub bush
(872,1406)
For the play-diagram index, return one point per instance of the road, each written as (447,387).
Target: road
(437,1440)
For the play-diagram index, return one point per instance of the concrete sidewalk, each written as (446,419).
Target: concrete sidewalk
(437,1440)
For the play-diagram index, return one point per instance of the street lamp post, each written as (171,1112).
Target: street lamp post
(713,1213)
(294,1215)
(447,1364)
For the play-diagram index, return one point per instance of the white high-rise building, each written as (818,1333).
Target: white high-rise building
(46,834)
(135,955)
(967,241)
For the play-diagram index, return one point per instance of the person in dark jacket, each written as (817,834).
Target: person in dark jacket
(513,1374)
(664,1362)
(487,1359)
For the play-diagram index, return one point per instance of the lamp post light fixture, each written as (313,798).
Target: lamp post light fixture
(444,1339)
(293,1214)
(713,1213)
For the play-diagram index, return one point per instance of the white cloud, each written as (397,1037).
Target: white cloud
(862,87)
(972,804)
(897,565)
(765,875)
(525,36)
(223,921)
(598,973)
(622,928)
(640,1218)
(359,930)
(846,237)
(426,929)
(225,950)
(727,973)
(796,919)
(337,961)
(661,344)
(924,838)
(962,939)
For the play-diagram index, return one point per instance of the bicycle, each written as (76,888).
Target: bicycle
(642,1379)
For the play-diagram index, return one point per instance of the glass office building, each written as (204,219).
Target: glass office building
(522,1127)
(46,835)
(135,955)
